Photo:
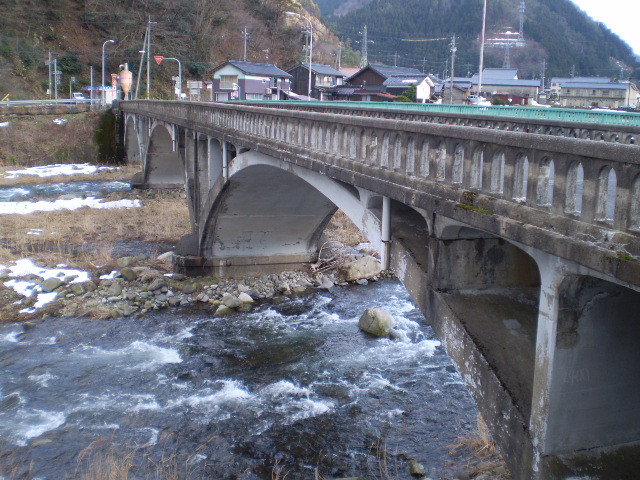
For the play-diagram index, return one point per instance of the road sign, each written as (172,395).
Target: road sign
(159,58)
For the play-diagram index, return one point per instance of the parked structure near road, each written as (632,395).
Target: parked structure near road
(238,80)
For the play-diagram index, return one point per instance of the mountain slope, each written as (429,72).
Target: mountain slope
(201,33)
(556,32)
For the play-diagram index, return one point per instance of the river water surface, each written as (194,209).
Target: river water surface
(294,385)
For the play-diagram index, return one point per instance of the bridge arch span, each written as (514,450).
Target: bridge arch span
(272,213)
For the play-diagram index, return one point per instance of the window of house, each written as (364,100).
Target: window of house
(605,93)
(568,91)
(593,92)
(222,97)
(254,96)
(227,81)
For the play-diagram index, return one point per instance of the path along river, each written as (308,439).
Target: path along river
(294,385)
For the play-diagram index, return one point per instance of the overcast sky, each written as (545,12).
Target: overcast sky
(620,16)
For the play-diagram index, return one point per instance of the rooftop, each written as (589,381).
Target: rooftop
(262,69)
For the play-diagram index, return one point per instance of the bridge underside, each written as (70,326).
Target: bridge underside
(264,218)
(547,348)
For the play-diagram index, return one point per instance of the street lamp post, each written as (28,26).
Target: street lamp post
(294,14)
(103,48)
(179,76)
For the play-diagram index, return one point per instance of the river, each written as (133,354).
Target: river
(293,387)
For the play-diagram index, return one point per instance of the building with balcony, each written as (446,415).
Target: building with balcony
(238,80)
(322,77)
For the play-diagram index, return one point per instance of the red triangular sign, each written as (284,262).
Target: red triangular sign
(159,58)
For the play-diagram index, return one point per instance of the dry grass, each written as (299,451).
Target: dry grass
(84,238)
(341,229)
(36,140)
(480,454)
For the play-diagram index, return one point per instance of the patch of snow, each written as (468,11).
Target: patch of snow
(4,124)
(25,208)
(25,267)
(110,276)
(59,169)
(60,121)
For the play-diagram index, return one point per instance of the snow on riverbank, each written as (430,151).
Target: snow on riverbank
(24,208)
(25,267)
(59,169)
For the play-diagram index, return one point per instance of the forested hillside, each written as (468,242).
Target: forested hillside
(556,32)
(201,33)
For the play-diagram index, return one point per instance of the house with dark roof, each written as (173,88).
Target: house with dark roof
(237,80)
(382,83)
(322,77)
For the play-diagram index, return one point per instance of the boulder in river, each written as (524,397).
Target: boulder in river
(365,267)
(231,301)
(377,322)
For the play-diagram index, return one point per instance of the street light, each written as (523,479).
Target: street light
(294,14)
(103,47)
(179,76)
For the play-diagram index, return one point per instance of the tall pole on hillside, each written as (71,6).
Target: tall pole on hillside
(484,24)
(294,14)
(142,54)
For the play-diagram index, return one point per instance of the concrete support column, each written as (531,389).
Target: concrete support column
(225,160)
(386,232)
(552,271)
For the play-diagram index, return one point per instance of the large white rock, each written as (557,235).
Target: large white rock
(365,267)
(377,321)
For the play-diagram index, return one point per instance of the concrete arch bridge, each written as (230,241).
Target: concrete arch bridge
(519,239)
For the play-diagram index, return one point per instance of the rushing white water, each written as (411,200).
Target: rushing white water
(236,394)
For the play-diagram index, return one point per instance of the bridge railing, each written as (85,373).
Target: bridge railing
(581,183)
(615,127)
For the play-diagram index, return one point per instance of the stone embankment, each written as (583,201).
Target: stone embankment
(135,288)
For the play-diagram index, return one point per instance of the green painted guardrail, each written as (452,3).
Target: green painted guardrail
(539,113)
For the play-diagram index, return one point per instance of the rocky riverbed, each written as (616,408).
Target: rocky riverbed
(136,287)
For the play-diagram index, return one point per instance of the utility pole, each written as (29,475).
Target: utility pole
(55,78)
(424,65)
(339,57)
(91,91)
(573,71)
(245,36)
(142,54)
(149,59)
(364,61)
(544,72)
(49,63)
(395,59)
(454,49)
